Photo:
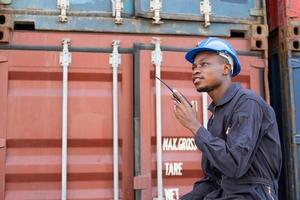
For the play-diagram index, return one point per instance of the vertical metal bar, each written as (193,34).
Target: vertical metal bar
(115,61)
(204,109)
(137,117)
(65,60)
(116,135)
(157,59)
(64,133)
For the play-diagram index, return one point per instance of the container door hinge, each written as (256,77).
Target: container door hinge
(259,37)
(155,6)
(205,9)
(65,57)
(257,12)
(115,57)
(63,5)
(117,7)
(157,56)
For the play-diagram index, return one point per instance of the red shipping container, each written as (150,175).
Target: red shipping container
(282,12)
(30,111)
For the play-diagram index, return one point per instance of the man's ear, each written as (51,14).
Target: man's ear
(227,69)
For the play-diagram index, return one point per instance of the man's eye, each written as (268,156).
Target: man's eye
(204,64)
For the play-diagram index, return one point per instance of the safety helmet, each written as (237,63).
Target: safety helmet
(220,47)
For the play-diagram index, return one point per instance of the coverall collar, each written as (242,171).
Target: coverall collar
(229,94)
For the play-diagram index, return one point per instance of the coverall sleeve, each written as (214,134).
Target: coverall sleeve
(233,157)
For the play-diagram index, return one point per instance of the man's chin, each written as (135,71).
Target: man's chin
(204,89)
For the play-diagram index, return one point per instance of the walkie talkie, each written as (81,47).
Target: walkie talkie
(174,94)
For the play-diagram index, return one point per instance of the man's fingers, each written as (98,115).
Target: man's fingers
(182,99)
(178,95)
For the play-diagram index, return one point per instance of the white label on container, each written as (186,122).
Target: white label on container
(179,144)
(172,194)
(173,169)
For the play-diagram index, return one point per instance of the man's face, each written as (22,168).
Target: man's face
(209,70)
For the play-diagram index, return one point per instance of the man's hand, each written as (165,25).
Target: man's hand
(186,114)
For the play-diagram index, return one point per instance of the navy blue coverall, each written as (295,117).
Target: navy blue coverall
(241,153)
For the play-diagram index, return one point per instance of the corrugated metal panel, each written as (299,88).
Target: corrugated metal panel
(33,116)
(33,155)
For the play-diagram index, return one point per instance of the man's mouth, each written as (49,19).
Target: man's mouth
(197,79)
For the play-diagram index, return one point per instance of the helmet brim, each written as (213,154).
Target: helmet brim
(191,54)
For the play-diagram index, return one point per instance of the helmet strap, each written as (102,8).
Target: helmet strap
(228,58)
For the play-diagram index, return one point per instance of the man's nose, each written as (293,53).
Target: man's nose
(196,71)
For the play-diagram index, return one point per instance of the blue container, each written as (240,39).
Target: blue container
(294,63)
(86,6)
(227,18)
(227,10)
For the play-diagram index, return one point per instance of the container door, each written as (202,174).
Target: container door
(239,11)
(30,125)
(181,160)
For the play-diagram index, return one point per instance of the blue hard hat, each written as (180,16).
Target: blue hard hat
(217,45)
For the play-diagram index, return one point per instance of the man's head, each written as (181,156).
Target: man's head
(214,61)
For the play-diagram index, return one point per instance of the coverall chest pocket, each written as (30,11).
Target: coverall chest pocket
(238,131)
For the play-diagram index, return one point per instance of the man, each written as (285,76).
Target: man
(241,154)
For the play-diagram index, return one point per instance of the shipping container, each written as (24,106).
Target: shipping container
(284,23)
(32,106)
(223,18)
(81,113)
